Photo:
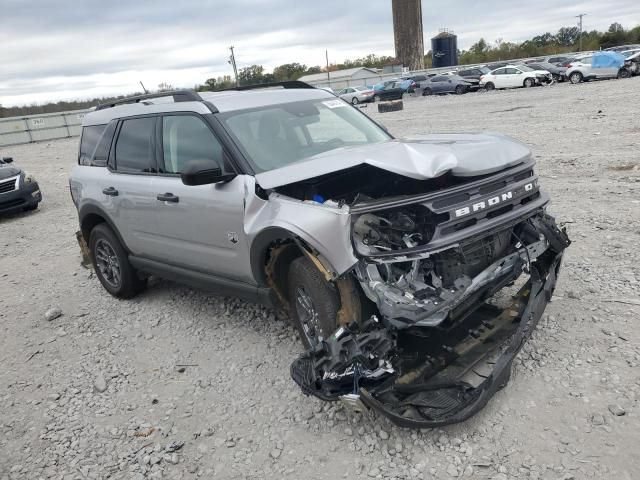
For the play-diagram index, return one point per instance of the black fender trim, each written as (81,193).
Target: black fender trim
(91,209)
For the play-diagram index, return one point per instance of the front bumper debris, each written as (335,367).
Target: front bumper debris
(414,376)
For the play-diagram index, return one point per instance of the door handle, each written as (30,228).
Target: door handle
(168,197)
(112,192)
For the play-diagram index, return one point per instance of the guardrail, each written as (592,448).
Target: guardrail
(35,128)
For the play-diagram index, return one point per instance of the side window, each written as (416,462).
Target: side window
(512,71)
(500,71)
(134,152)
(186,138)
(101,152)
(587,60)
(88,142)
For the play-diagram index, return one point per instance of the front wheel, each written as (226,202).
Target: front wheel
(489,86)
(354,101)
(575,77)
(529,82)
(376,98)
(624,73)
(460,89)
(314,302)
(111,263)
(426,92)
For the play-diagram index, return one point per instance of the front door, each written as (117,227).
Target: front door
(198,227)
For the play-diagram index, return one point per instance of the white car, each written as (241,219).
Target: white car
(514,76)
(355,95)
(581,68)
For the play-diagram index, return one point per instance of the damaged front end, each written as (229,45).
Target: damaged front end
(460,281)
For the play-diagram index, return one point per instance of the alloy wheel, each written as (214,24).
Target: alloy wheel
(108,263)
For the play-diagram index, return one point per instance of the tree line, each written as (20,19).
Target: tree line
(566,39)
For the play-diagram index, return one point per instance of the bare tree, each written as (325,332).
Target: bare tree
(165,87)
(407,32)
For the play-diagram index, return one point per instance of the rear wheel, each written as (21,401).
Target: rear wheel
(529,82)
(111,263)
(314,302)
(427,91)
(354,100)
(489,86)
(575,77)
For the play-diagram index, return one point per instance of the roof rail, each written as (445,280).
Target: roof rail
(178,96)
(284,84)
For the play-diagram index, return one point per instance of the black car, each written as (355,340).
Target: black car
(388,91)
(18,190)
(472,75)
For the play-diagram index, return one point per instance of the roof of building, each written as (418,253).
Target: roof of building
(336,75)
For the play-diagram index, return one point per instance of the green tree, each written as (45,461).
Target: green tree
(289,71)
(251,75)
(568,36)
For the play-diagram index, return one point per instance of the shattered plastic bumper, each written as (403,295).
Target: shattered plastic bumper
(457,402)
(401,375)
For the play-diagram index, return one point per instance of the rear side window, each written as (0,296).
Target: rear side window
(134,148)
(88,142)
(186,138)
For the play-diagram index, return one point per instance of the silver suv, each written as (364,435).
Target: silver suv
(393,257)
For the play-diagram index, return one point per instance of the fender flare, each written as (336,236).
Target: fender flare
(93,209)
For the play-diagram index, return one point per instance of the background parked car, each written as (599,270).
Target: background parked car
(514,76)
(632,63)
(18,190)
(415,78)
(472,75)
(444,84)
(388,91)
(355,95)
(557,72)
(597,65)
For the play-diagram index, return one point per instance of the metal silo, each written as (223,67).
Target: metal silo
(444,48)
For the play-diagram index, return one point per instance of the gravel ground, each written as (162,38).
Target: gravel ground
(180,384)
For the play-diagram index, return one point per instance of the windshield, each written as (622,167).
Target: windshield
(278,135)
(485,70)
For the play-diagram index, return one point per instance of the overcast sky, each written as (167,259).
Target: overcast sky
(53,49)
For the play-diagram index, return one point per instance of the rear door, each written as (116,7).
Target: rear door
(199,227)
(127,190)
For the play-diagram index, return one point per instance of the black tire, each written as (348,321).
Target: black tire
(489,86)
(460,89)
(354,101)
(576,77)
(528,82)
(126,283)
(426,92)
(30,208)
(307,284)
(624,73)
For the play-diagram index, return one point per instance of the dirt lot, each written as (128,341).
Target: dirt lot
(177,365)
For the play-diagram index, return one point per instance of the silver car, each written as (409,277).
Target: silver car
(414,270)
(356,95)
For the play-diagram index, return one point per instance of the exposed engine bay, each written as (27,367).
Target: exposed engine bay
(460,278)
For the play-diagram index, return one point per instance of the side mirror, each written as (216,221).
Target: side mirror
(7,159)
(204,172)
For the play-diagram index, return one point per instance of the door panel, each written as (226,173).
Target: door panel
(204,229)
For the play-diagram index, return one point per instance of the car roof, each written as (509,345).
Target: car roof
(223,101)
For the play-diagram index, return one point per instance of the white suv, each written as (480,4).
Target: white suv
(581,68)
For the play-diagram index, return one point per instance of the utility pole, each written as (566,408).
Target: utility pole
(145,90)
(232,61)
(580,25)
(326,54)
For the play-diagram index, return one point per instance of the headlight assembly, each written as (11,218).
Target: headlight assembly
(28,178)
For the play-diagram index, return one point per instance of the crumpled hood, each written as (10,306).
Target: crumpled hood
(422,157)
(6,171)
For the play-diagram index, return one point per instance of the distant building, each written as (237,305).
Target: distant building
(343,78)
